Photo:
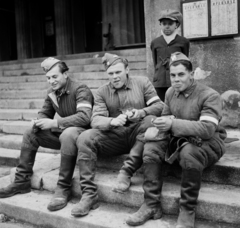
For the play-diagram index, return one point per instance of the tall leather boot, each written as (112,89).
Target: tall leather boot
(89,198)
(130,166)
(63,190)
(152,186)
(190,186)
(24,171)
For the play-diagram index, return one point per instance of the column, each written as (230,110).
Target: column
(36,34)
(62,9)
(22,29)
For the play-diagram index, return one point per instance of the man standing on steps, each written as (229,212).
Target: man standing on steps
(122,112)
(196,139)
(73,102)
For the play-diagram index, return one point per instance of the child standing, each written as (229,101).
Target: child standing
(163,46)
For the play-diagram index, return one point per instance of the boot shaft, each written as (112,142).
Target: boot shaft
(190,186)
(87,169)
(134,159)
(24,169)
(152,184)
(67,166)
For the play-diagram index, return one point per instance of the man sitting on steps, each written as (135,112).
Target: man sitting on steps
(73,102)
(195,140)
(122,112)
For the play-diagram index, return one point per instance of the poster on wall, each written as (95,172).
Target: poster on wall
(224,17)
(195,19)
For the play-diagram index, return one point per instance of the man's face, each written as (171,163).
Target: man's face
(180,77)
(118,75)
(56,79)
(168,26)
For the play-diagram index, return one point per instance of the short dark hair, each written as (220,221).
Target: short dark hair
(62,67)
(187,64)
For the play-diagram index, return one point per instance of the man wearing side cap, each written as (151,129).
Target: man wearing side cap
(163,46)
(196,140)
(73,102)
(121,114)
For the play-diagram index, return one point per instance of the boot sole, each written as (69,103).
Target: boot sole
(95,206)
(56,208)
(154,217)
(15,193)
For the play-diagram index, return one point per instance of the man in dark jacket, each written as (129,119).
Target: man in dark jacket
(195,136)
(72,101)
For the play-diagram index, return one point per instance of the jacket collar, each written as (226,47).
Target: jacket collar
(55,94)
(127,85)
(187,92)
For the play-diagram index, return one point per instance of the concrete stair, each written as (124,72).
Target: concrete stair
(23,87)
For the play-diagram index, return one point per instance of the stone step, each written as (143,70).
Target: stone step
(31,208)
(88,58)
(216,202)
(27,94)
(92,84)
(23,94)
(15,127)
(78,68)
(70,63)
(21,103)
(225,171)
(82,76)
(18,114)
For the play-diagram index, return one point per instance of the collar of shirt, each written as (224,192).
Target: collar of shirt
(187,92)
(64,90)
(127,85)
(170,38)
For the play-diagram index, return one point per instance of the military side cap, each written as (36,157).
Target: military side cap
(49,63)
(177,56)
(173,15)
(110,59)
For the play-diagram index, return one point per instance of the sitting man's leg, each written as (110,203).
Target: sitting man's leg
(134,159)
(153,156)
(90,144)
(68,161)
(193,161)
(31,142)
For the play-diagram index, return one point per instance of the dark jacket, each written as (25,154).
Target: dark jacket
(161,52)
(74,105)
(198,111)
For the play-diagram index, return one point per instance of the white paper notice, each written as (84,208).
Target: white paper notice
(195,19)
(224,17)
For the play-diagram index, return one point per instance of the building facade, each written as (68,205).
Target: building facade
(38,28)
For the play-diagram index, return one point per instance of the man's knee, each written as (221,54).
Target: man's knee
(87,145)
(70,135)
(29,139)
(190,157)
(153,153)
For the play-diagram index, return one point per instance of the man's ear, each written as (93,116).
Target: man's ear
(127,69)
(65,74)
(192,74)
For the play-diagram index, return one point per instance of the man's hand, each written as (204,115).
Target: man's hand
(163,123)
(119,121)
(137,115)
(45,124)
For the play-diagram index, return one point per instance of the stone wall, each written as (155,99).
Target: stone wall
(216,61)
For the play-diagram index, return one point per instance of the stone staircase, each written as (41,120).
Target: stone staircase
(23,87)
